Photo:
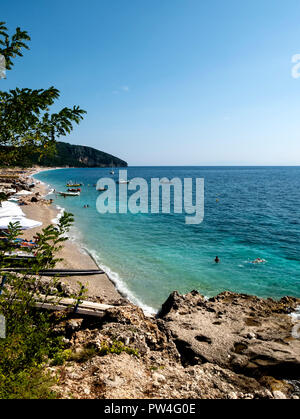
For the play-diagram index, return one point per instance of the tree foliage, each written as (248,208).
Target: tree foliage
(30,341)
(11,47)
(26,122)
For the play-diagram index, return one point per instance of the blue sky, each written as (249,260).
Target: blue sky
(169,82)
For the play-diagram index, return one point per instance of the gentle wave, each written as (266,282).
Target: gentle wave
(120,285)
(296,314)
(75,236)
(59,215)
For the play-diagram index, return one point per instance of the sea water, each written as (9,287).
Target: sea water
(250,212)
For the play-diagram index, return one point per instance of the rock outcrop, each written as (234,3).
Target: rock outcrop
(80,156)
(244,333)
(231,346)
(69,155)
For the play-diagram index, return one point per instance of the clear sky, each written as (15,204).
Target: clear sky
(169,82)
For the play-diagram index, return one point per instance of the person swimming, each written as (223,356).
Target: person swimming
(217,260)
(258,260)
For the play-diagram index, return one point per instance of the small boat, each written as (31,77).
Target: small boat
(71,184)
(69,193)
(102,189)
(121,181)
(74,190)
(112,172)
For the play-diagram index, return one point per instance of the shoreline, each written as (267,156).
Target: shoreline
(75,251)
(231,346)
(99,287)
(112,276)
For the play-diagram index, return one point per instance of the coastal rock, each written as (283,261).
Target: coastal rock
(124,376)
(71,155)
(73,324)
(197,348)
(244,333)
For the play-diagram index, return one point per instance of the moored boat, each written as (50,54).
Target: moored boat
(69,193)
(74,190)
(72,184)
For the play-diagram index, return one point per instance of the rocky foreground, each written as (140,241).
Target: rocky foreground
(230,346)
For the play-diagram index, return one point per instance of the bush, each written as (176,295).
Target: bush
(30,343)
(116,347)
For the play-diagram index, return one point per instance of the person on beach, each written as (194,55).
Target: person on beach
(217,260)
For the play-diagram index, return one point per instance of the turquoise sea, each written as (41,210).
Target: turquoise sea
(250,212)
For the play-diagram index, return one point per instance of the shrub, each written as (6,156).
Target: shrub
(30,343)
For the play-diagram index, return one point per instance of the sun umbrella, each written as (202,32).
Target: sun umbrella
(9,209)
(21,193)
(25,223)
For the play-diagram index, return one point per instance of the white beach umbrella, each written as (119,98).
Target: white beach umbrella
(21,193)
(8,190)
(9,209)
(25,223)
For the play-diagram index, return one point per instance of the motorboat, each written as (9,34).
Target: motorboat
(69,193)
(74,190)
(71,184)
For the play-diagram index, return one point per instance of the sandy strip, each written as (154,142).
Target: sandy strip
(99,286)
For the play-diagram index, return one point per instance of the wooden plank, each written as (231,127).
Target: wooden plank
(72,302)
(56,272)
(85,308)
(57,307)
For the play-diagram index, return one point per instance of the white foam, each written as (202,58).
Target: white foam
(75,236)
(49,192)
(121,287)
(59,215)
(49,188)
(296,314)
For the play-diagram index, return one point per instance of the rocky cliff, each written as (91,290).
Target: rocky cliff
(65,155)
(231,346)
(80,156)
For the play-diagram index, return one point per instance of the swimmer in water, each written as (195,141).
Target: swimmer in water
(259,260)
(217,260)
